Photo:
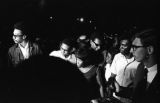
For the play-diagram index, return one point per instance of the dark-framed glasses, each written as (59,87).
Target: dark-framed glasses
(135,47)
(15,36)
(64,49)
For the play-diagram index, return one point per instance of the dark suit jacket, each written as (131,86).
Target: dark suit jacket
(15,55)
(149,95)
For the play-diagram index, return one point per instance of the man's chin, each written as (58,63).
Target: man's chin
(137,59)
(65,56)
(16,42)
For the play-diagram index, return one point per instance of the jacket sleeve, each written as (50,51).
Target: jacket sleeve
(9,59)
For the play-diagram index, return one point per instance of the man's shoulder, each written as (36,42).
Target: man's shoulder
(118,55)
(13,47)
(55,53)
(133,65)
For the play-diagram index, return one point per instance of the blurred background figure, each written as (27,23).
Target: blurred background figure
(23,48)
(83,41)
(84,38)
(120,61)
(66,50)
(87,63)
(99,45)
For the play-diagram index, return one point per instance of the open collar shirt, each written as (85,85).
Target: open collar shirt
(118,66)
(25,50)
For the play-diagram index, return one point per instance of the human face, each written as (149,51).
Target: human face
(96,44)
(17,36)
(138,50)
(124,46)
(65,50)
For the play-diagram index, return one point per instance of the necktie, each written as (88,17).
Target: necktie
(145,77)
(145,73)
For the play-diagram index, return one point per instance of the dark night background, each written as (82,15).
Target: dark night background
(55,19)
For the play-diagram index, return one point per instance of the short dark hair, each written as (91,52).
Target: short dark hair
(23,26)
(95,35)
(125,37)
(70,42)
(148,37)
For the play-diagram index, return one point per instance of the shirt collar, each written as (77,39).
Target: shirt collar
(25,46)
(153,68)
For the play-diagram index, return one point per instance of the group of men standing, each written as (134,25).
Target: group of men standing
(124,73)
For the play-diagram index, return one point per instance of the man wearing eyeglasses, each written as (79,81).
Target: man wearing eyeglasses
(66,51)
(145,50)
(23,48)
(146,84)
(98,45)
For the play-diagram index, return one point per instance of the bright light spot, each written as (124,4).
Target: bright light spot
(50,17)
(81,19)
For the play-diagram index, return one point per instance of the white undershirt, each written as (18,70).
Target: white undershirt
(152,71)
(25,51)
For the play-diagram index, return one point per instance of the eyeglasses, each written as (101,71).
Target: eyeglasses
(135,47)
(64,49)
(15,36)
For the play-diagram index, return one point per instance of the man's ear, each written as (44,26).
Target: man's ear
(150,49)
(24,36)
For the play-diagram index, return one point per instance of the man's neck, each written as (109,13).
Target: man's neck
(150,62)
(128,55)
(23,44)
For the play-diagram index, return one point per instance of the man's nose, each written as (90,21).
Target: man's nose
(131,50)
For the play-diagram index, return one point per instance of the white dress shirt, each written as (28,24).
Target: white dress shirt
(118,66)
(152,71)
(25,51)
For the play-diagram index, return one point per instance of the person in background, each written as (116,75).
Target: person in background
(23,48)
(83,41)
(66,51)
(124,91)
(97,43)
(87,63)
(120,61)
(83,37)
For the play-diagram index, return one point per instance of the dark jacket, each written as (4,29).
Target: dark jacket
(149,95)
(139,93)
(15,55)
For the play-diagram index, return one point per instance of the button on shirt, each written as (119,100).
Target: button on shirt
(25,51)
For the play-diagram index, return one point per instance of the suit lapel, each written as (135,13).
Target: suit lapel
(19,53)
(155,83)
